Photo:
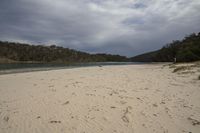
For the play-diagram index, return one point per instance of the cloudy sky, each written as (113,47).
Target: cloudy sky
(126,27)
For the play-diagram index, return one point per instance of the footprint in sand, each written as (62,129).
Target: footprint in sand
(139,99)
(66,86)
(155,105)
(144,88)
(105,118)
(167,110)
(90,94)
(113,92)
(55,122)
(194,121)
(155,115)
(122,102)
(6,118)
(50,86)
(143,113)
(126,112)
(67,102)
(162,102)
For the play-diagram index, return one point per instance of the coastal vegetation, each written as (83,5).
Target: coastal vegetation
(192,68)
(11,52)
(186,50)
(181,68)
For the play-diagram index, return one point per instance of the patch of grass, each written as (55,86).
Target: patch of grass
(172,66)
(181,68)
(168,64)
(187,72)
(197,64)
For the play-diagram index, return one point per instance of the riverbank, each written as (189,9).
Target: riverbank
(9,68)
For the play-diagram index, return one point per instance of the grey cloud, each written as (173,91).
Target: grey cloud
(126,27)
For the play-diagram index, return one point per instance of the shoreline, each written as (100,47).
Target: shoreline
(49,67)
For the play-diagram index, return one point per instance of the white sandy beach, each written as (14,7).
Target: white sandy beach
(108,99)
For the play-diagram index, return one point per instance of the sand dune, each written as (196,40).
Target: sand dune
(108,99)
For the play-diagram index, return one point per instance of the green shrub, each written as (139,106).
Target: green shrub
(186,55)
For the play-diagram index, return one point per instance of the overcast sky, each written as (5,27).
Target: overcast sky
(125,27)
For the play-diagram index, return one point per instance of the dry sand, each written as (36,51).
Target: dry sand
(108,99)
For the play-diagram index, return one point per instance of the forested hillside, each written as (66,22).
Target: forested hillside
(17,52)
(186,50)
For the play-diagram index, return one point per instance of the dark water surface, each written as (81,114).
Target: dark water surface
(28,67)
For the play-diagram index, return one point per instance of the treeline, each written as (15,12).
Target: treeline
(186,50)
(51,54)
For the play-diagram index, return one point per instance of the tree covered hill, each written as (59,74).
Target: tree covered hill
(18,52)
(186,50)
